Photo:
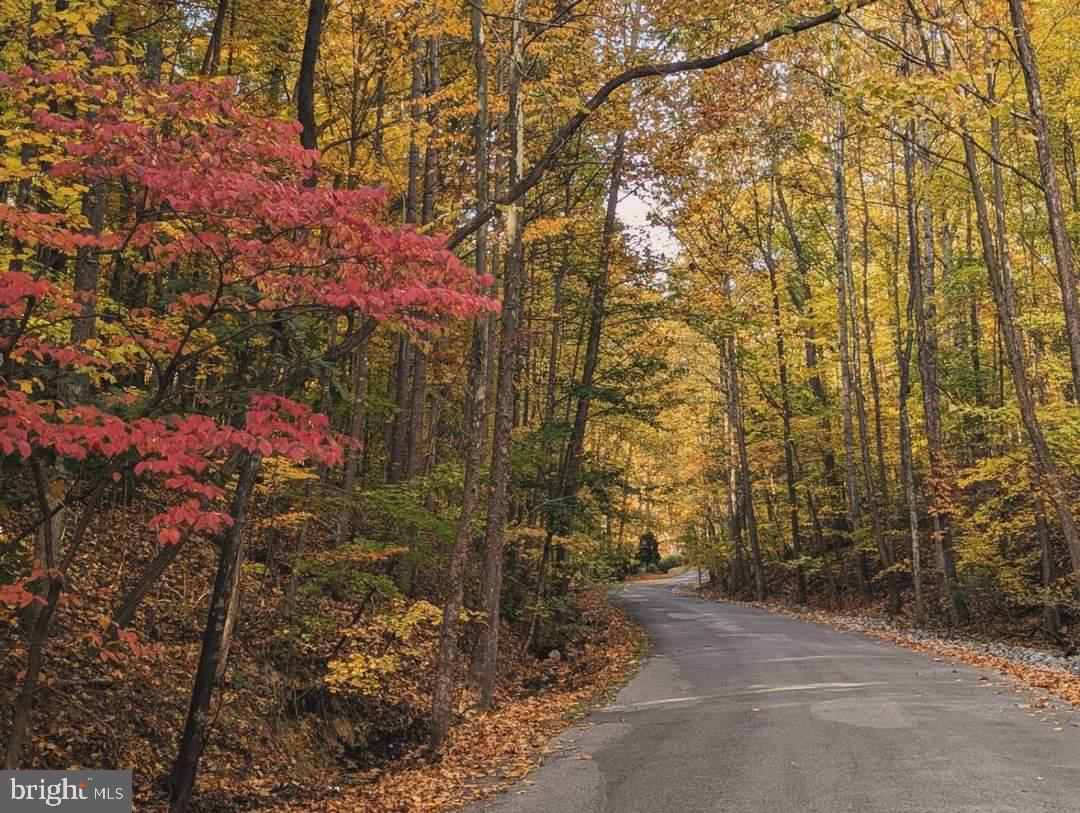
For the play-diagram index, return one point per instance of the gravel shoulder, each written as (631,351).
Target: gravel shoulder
(1033,668)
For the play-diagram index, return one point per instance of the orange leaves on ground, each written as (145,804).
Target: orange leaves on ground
(487,751)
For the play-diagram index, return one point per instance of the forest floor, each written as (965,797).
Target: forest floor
(487,752)
(280,739)
(999,647)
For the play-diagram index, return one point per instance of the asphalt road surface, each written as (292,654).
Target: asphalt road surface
(742,710)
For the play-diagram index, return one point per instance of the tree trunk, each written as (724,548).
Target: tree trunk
(870,489)
(475,418)
(801,298)
(1045,464)
(39,629)
(904,338)
(924,290)
(397,453)
(785,414)
(484,665)
(407,353)
(125,611)
(88,260)
(214,643)
(356,434)
(445,674)
(1059,233)
(212,57)
(415,459)
(416,89)
(305,83)
(881,494)
(414,445)
(568,482)
(843,273)
(1047,570)
(738,579)
(746,483)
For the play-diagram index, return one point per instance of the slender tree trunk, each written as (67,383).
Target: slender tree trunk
(547,469)
(416,90)
(305,83)
(39,629)
(214,644)
(414,447)
(300,546)
(801,298)
(556,337)
(924,289)
(843,274)
(125,611)
(738,579)
(789,443)
(88,267)
(431,151)
(407,352)
(445,677)
(88,260)
(786,414)
(876,523)
(1069,155)
(903,362)
(1047,570)
(569,481)
(484,666)
(875,394)
(1045,464)
(476,412)
(871,362)
(356,434)
(1059,233)
(568,485)
(212,57)
(397,463)
(475,415)
(746,483)
(232,38)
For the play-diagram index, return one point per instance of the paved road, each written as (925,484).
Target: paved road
(742,710)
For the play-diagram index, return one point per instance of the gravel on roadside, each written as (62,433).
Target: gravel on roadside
(1022,656)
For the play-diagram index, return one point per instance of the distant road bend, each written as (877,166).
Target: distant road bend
(741,710)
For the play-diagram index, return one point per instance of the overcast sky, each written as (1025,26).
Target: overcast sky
(634,212)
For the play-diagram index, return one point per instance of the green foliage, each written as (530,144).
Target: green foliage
(648,553)
(560,621)
(670,561)
(343,574)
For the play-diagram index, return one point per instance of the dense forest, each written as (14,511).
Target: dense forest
(344,346)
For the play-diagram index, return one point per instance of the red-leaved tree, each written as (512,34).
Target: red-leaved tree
(202,219)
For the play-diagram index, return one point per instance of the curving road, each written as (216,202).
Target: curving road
(742,710)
